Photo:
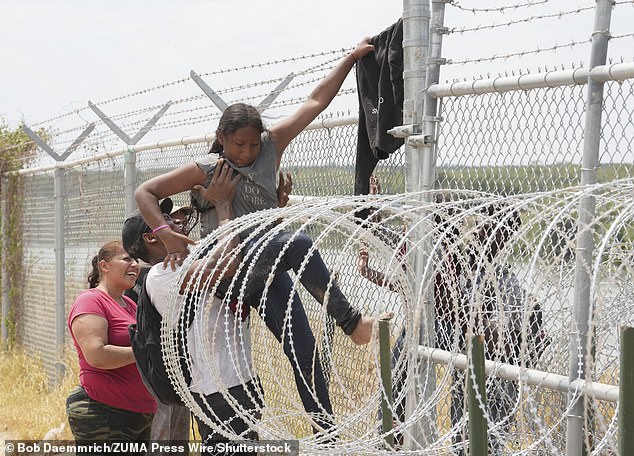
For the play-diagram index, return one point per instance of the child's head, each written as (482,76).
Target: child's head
(238,134)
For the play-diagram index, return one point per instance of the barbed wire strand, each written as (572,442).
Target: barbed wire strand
(557,15)
(184,80)
(498,9)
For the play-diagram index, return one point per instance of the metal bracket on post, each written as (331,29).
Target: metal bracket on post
(46,148)
(222,105)
(264,104)
(420,140)
(437,61)
(120,133)
(405,131)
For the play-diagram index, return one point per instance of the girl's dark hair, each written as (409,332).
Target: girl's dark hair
(235,117)
(106,253)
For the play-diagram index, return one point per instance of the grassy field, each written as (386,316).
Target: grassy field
(502,180)
(30,407)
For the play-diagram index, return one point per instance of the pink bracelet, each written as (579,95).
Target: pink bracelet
(158,228)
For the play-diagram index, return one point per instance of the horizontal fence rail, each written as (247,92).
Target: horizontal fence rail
(555,78)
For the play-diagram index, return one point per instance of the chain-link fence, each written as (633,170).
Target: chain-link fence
(501,267)
(496,252)
(528,141)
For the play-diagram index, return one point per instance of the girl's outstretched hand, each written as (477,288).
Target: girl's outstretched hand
(364,47)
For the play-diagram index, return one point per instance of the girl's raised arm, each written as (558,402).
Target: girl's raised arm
(285,131)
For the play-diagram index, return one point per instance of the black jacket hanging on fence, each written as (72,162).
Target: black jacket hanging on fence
(380,89)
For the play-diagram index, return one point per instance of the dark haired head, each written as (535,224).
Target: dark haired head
(498,226)
(235,117)
(139,251)
(501,215)
(135,227)
(106,253)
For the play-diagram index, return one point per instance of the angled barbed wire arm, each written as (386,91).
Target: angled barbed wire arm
(213,96)
(40,142)
(123,135)
(266,102)
(150,123)
(49,150)
(110,124)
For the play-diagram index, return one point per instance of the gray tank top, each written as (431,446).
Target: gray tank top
(255,191)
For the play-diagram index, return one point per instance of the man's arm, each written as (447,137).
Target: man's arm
(373,275)
(284,188)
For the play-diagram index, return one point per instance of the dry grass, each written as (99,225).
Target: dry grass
(29,406)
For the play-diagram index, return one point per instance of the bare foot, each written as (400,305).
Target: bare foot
(362,334)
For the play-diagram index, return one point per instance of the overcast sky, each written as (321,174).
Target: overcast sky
(57,55)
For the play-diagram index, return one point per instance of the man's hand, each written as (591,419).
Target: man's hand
(176,245)
(222,187)
(284,188)
(375,185)
(363,48)
(362,260)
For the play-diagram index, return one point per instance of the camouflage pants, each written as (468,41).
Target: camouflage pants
(93,421)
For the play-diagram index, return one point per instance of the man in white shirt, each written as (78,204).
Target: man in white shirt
(218,340)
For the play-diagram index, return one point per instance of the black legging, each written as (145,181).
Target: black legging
(298,339)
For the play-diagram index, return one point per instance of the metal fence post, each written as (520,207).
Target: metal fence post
(428,140)
(385,359)
(425,147)
(129,180)
(59,191)
(60,267)
(5,259)
(416,17)
(581,338)
(476,386)
(626,392)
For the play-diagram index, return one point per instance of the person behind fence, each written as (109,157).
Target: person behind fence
(231,364)
(255,153)
(500,301)
(446,288)
(171,422)
(395,239)
(112,403)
